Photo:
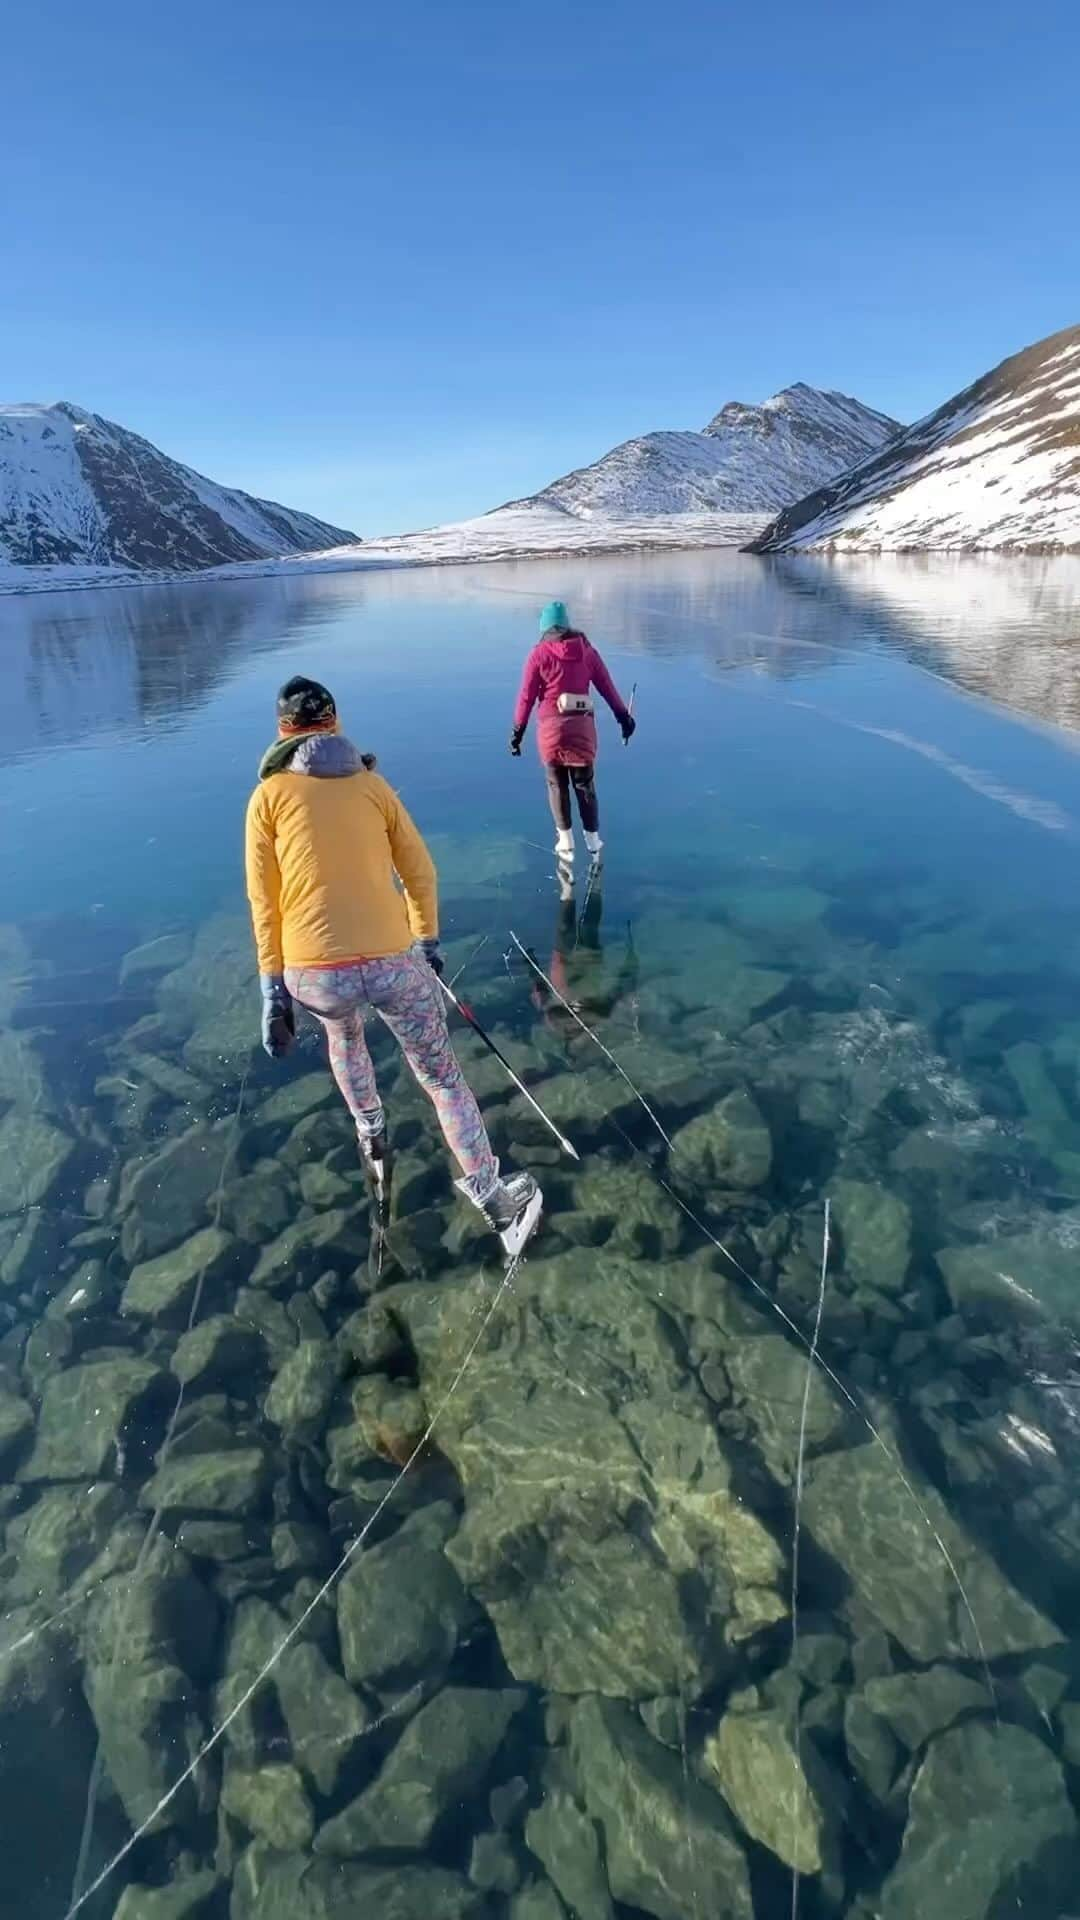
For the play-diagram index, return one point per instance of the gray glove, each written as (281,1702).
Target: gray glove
(278,1018)
(429,949)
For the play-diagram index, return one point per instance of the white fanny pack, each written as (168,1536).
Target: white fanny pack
(574,703)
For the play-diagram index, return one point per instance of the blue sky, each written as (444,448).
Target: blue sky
(396,265)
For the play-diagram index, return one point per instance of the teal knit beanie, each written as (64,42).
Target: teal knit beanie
(555,615)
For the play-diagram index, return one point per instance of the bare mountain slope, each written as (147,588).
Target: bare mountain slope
(748,460)
(78,490)
(998,466)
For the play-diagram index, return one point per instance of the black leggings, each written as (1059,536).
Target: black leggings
(558,784)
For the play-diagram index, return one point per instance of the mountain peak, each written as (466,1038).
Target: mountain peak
(78,490)
(997,466)
(748,460)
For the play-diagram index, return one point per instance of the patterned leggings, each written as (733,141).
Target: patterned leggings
(403,992)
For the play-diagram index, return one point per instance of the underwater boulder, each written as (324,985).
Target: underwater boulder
(441,1758)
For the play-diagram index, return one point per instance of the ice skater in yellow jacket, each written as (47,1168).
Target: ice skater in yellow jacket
(327,842)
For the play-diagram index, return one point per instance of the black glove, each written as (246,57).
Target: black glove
(278,1017)
(628,725)
(430,951)
(516,739)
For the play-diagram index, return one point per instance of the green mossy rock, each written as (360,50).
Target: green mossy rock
(728,1147)
(161,955)
(271,1803)
(774,1789)
(162,1290)
(235,1483)
(301,1252)
(33,1155)
(769,1378)
(46,1760)
(493,1864)
(62,1535)
(875,1226)
(990,1830)
(585,1535)
(220,1351)
(90,1292)
(259,1204)
(164,1196)
(539,1901)
(293,1101)
(270,1885)
(193,1898)
(402,1607)
(1020,1276)
(85,1414)
(567,1844)
(441,1758)
(303,1390)
(857,1509)
(16,1421)
(916,1706)
(326,1719)
(669,1844)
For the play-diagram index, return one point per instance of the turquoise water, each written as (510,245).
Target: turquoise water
(661,1620)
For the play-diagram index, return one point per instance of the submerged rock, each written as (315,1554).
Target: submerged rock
(769,1376)
(326,1719)
(990,1828)
(728,1147)
(271,1803)
(857,1508)
(669,1844)
(441,1758)
(538,1901)
(875,1226)
(774,1787)
(153,957)
(602,1532)
(402,1607)
(271,1885)
(164,1197)
(258,1204)
(85,1415)
(229,1483)
(33,1155)
(303,1389)
(46,1757)
(220,1351)
(192,1898)
(291,1102)
(567,1844)
(301,1251)
(161,1290)
(916,1706)
(493,1864)
(62,1534)
(1027,1276)
(148,1643)
(16,1421)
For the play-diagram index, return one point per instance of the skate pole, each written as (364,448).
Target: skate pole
(630,707)
(471,1020)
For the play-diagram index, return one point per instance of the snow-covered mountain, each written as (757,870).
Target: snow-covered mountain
(997,467)
(78,490)
(748,460)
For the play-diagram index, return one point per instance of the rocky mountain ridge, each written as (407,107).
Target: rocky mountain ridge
(78,490)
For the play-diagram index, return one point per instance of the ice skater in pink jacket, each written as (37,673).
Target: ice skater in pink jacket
(560,673)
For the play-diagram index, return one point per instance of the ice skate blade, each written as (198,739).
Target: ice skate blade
(515,1238)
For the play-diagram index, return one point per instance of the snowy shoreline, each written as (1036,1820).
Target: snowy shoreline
(507,534)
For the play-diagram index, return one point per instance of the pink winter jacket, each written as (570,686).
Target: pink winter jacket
(564,663)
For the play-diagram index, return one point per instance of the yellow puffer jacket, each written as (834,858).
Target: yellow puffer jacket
(321,856)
